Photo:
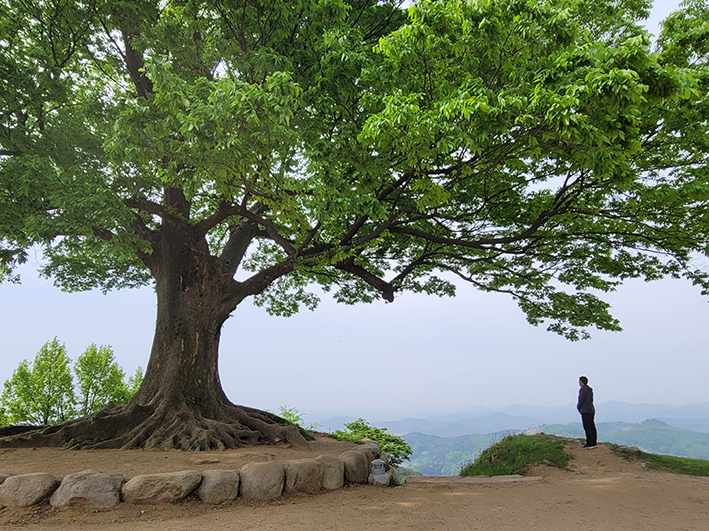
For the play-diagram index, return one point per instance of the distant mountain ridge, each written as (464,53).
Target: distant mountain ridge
(520,417)
(493,423)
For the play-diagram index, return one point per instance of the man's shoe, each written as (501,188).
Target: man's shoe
(590,446)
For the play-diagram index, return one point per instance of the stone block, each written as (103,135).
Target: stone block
(261,481)
(171,487)
(333,472)
(25,490)
(303,475)
(89,489)
(356,466)
(371,449)
(218,486)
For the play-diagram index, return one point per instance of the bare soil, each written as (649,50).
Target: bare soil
(599,491)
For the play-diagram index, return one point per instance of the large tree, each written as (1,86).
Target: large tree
(228,150)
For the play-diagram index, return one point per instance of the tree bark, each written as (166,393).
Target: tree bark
(193,303)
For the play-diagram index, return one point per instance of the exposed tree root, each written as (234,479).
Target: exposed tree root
(134,426)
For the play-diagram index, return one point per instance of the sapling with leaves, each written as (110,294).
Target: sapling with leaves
(100,380)
(41,392)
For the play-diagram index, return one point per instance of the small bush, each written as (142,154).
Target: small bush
(294,416)
(396,449)
(516,453)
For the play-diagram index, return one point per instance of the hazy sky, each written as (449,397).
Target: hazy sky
(416,356)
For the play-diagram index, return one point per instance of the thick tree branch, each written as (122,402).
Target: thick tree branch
(309,237)
(176,202)
(260,281)
(411,267)
(140,229)
(146,206)
(223,212)
(104,234)
(386,289)
(271,230)
(135,64)
(240,238)
(176,208)
(242,234)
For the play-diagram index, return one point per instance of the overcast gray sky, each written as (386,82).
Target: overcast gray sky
(417,356)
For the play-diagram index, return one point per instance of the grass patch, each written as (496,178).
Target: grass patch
(679,465)
(516,453)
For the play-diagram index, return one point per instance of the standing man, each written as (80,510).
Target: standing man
(588,412)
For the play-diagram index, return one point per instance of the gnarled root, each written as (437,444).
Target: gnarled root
(178,427)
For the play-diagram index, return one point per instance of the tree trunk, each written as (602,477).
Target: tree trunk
(183,364)
(181,403)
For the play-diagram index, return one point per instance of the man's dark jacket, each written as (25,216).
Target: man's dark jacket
(585,405)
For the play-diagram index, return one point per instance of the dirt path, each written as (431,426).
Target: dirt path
(599,492)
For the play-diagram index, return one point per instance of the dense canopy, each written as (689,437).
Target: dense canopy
(226,150)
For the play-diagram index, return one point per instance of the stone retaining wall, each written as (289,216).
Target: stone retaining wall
(258,481)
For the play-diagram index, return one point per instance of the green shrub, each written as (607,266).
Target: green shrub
(396,449)
(294,416)
(516,453)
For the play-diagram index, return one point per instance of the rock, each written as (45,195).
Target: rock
(371,449)
(303,475)
(90,489)
(261,481)
(383,457)
(333,472)
(206,461)
(24,490)
(3,477)
(170,487)
(218,486)
(356,466)
(393,475)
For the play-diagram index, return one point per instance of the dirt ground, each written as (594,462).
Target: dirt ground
(599,491)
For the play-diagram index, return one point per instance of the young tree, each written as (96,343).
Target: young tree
(100,380)
(32,390)
(41,393)
(226,151)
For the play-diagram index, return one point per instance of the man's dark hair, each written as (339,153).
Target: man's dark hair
(583,380)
